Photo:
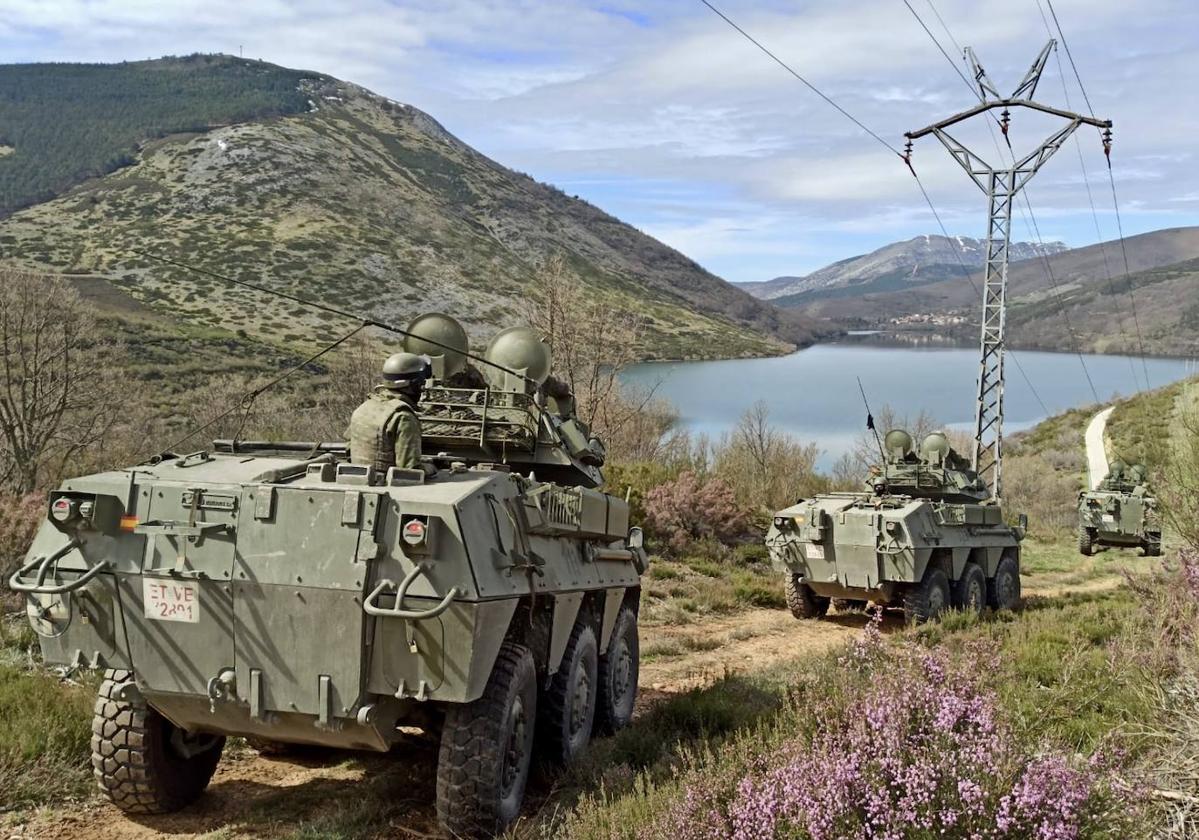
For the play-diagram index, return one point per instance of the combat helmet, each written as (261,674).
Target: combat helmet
(405,370)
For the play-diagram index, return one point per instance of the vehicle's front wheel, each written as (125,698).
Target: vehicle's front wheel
(928,599)
(1086,541)
(1004,591)
(618,672)
(970,590)
(568,705)
(1152,544)
(142,762)
(486,750)
(803,602)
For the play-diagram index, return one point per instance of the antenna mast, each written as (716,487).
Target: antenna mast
(1001,185)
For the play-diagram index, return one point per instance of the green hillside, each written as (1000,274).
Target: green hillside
(368,204)
(63,123)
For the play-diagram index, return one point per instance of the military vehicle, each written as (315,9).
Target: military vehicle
(280,591)
(1120,512)
(925,536)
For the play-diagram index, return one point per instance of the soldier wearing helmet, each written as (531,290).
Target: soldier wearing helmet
(385,430)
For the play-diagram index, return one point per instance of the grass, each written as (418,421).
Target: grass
(1051,666)
(679,590)
(45,726)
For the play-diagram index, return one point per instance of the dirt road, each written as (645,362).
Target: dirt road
(1096,448)
(253,795)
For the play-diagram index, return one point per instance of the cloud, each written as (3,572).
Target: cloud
(664,115)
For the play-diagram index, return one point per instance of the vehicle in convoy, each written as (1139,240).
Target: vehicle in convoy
(925,536)
(280,592)
(1121,512)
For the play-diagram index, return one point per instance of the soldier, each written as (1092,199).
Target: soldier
(385,429)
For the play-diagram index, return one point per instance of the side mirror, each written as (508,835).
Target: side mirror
(1022,520)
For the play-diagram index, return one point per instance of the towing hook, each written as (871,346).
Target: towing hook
(222,689)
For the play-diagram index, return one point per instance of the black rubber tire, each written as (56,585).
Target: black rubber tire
(849,605)
(136,756)
(970,590)
(618,673)
(566,710)
(928,599)
(803,602)
(1086,541)
(1152,545)
(479,787)
(1003,590)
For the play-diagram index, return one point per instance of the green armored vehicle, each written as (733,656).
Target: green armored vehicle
(924,537)
(1120,512)
(280,591)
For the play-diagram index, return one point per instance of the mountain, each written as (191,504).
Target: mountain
(1086,287)
(317,187)
(898,266)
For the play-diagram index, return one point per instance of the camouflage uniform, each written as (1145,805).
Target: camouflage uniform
(385,431)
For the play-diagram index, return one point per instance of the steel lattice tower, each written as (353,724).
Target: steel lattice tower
(1001,185)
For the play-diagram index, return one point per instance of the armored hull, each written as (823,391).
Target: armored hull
(923,551)
(1118,519)
(283,592)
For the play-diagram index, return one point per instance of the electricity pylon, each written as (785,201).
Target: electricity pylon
(1001,185)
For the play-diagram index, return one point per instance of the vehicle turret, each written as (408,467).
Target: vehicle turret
(936,472)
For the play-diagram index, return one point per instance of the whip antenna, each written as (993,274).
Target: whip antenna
(870,421)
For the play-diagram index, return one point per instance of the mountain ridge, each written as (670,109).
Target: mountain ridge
(898,265)
(374,204)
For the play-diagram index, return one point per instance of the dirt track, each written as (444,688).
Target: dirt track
(256,795)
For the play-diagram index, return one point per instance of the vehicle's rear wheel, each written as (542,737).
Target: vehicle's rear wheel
(1086,541)
(486,750)
(804,603)
(928,599)
(970,590)
(568,705)
(618,672)
(849,605)
(142,762)
(1004,590)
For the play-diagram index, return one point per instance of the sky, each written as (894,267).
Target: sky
(662,114)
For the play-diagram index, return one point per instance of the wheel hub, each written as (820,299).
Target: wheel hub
(580,701)
(622,673)
(514,752)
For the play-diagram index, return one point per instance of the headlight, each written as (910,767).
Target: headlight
(62,509)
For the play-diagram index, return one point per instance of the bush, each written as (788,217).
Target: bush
(907,746)
(686,510)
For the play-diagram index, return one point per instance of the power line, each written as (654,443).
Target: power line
(1115,202)
(1086,180)
(889,146)
(790,70)
(1029,218)
(966,272)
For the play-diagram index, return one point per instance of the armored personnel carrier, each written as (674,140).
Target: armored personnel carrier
(923,537)
(1120,512)
(279,591)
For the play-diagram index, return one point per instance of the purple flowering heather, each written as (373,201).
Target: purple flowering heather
(918,751)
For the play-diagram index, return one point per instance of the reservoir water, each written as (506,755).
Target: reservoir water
(813,394)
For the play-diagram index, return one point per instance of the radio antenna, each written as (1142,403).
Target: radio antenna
(870,421)
(365,322)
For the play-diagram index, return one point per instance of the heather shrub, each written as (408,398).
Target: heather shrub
(689,509)
(909,746)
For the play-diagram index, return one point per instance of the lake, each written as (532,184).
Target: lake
(813,394)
